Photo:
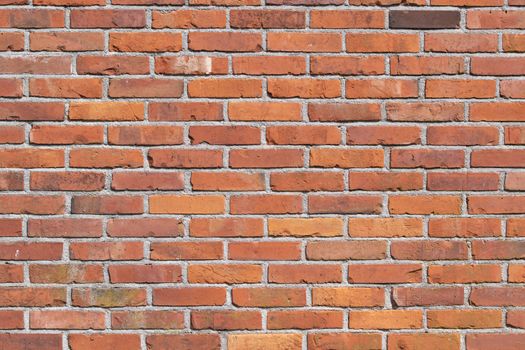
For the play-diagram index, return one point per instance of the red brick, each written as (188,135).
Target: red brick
(145,273)
(382,42)
(32,297)
(145,42)
(385,181)
(186,250)
(307,181)
(11,274)
(225,273)
(29,341)
(108,297)
(495,204)
(104,341)
(266,158)
(426,158)
(422,65)
(227,181)
(11,41)
(225,135)
(292,341)
(106,111)
(67,181)
(31,18)
(266,204)
(189,19)
(429,250)
(385,273)
(11,319)
(120,250)
(497,296)
(303,88)
(373,65)
(385,227)
(226,227)
(344,204)
(305,227)
(107,204)
(424,111)
(347,340)
(491,340)
(263,111)
(335,19)
(383,135)
(64,227)
(304,273)
(186,204)
(460,88)
(10,227)
(381,88)
(65,273)
(225,42)
(10,88)
(268,297)
(108,18)
(65,42)
(461,42)
(267,19)
(441,341)
(264,251)
(385,319)
(427,296)
(191,65)
(303,135)
(268,65)
(348,297)
(11,181)
(462,135)
(225,88)
(334,112)
(186,341)
(304,42)
(305,319)
(66,319)
(346,250)
(189,296)
(147,320)
(497,111)
(185,158)
(145,227)
(464,273)
(464,319)
(226,320)
(31,158)
(513,42)
(346,158)
(464,227)
(32,204)
(112,65)
(38,64)
(463,181)
(66,134)
(512,88)
(139,181)
(184,111)
(495,19)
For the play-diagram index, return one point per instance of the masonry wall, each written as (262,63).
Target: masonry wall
(249,175)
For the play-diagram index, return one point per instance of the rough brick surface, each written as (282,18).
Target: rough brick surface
(262,174)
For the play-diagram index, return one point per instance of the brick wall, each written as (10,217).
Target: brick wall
(249,175)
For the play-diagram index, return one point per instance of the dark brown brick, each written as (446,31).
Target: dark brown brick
(424,19)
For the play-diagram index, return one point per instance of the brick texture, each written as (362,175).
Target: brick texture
(262,174)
